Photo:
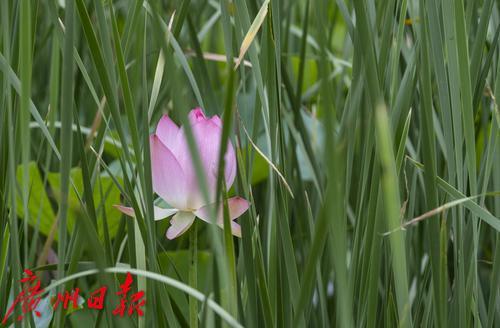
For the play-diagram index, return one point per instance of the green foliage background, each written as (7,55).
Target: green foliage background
(350,118)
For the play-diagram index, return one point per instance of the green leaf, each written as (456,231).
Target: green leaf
(41,213)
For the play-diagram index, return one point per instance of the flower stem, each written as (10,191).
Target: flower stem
(193,274)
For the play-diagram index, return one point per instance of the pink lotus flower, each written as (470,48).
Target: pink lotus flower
(175,179)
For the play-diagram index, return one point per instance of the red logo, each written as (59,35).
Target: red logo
(30,297)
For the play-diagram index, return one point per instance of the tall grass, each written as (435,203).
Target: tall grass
(349,119)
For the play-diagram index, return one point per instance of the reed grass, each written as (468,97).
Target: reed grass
(349,119)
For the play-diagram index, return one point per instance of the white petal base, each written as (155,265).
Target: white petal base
(179,224)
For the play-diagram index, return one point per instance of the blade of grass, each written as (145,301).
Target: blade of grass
(15,256)
(26,62)
(392,206)
(430,175)
(66,111)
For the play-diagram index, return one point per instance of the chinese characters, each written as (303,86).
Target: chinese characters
(31,292)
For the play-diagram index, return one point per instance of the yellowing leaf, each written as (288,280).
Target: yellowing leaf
(252,31)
